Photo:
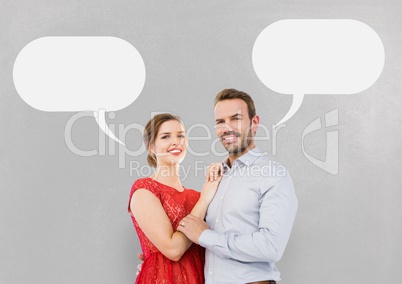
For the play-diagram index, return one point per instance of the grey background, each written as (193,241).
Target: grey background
(63,217)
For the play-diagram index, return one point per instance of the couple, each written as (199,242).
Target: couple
(249,209)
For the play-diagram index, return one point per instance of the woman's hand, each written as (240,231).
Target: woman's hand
(209,189)
(214,171)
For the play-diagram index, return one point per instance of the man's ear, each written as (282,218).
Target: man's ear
(255,121)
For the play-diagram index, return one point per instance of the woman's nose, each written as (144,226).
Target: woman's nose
(176,141)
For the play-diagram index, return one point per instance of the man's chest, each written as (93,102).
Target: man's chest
(236,205)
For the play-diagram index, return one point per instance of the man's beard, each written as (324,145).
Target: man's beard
(245,140)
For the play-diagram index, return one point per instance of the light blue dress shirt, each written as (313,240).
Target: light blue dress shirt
(250,220)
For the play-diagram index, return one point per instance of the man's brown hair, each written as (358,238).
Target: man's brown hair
(231,94)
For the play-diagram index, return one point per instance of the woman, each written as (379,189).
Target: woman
(158,203)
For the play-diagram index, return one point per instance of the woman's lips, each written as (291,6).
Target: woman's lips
(175,152)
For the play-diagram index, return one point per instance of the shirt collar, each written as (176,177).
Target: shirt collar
(246,159)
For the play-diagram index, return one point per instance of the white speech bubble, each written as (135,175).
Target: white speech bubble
(316,56)
(79,74)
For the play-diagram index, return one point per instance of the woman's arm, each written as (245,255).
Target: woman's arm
(207,194)
(153,221)
(151,217)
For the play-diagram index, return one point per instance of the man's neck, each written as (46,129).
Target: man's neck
(232,158)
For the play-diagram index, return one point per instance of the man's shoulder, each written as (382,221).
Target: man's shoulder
(269,167)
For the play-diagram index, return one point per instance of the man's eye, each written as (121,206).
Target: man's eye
(181,136)
(219,122)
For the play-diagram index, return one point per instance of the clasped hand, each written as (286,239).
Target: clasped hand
(192,227)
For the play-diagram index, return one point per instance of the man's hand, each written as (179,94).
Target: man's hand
(192,227)
(139,266)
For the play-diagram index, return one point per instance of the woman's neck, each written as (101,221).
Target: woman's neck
(169,175)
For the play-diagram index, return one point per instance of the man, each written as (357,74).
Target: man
(249,222)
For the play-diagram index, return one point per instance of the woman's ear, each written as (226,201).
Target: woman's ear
(151,149)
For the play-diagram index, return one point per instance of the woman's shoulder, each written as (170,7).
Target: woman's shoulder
(145,183)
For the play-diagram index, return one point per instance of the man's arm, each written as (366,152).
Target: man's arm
(277,212)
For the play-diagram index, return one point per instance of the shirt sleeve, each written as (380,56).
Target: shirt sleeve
(278,206)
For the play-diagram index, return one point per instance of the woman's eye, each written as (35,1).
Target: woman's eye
(164,137)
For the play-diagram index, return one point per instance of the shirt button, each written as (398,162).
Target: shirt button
(210,272)
(217,221)
(222,197)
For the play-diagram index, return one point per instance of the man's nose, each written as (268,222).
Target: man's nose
(230,126)
(223,128)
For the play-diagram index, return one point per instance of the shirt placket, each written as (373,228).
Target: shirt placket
(218,223)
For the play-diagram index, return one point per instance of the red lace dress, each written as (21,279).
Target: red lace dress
(157,268)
